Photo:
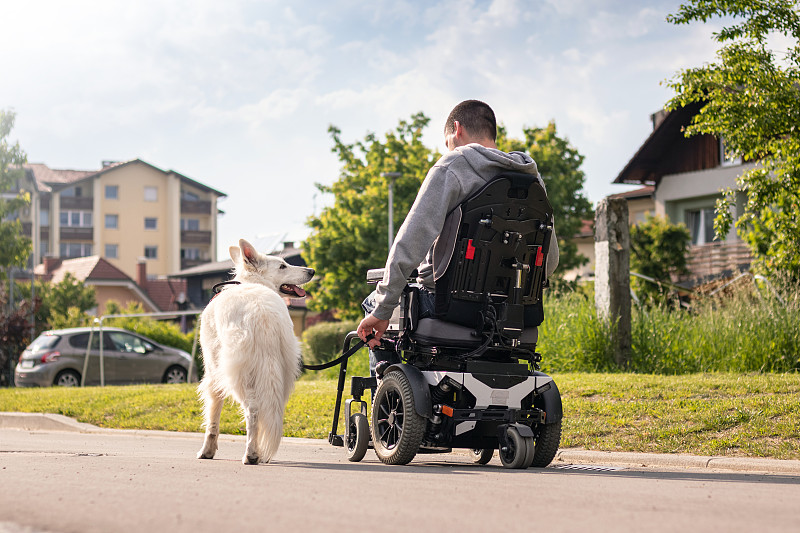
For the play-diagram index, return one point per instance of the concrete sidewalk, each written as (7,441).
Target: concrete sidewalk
(53,422)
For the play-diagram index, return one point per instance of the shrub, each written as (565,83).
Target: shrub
(323,342)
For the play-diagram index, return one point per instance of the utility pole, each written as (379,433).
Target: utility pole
(392,176)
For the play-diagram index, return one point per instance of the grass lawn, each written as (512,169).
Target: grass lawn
(753,415)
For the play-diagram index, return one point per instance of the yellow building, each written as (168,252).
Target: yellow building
(123,212)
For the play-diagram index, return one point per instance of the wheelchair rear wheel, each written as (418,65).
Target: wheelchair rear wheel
(397,428)
(547,444)
(358,441)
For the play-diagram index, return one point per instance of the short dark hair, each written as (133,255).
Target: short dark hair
(476,117)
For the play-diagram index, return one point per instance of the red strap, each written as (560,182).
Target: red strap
(470,251)
(539,256)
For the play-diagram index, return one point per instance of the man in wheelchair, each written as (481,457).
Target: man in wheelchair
(480,237)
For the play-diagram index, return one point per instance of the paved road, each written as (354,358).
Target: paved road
(127,482)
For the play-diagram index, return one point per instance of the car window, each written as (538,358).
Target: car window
(125,342)
(44,341)
(80,340)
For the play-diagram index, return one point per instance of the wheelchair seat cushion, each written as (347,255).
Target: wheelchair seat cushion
(434,332)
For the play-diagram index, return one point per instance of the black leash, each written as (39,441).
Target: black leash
(346,355)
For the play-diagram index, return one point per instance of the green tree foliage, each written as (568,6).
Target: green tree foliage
(751,98)
(63,304)
(658,251)
(559,165)
(14,247)
(351,236)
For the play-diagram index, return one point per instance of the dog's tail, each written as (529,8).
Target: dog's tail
(270,423)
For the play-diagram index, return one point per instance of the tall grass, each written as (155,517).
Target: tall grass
(743,330)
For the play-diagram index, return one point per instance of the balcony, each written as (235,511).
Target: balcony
(718,258)
(189,263)
(195,237)
(76,234)
(83,203)
(197,207)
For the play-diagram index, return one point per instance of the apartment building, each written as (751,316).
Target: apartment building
(123,212)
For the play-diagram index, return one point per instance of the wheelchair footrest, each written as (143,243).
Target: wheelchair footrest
(336,440)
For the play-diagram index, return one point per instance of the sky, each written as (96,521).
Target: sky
(239,94)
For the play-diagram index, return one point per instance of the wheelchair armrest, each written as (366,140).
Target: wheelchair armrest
(375,275)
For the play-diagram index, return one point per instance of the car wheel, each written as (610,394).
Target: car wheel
(67,378)
(175,374)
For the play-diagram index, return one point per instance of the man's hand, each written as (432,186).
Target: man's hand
(372,325)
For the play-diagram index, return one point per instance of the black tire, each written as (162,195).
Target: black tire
(547,444)
(397,429)
(175,374)
(358,442)
(67,378)
(515,452)
(481,456)
(530,451)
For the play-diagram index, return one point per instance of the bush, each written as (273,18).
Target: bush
(323,342)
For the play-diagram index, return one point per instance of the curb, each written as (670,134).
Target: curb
(53,422)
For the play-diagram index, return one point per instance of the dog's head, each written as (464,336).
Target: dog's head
(272,271)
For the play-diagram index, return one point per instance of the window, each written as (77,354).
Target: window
(43,251)
(190,224)
(75,249)
(150,223)
(44,217)
(125,342)
(72,192)
(112,221)
(150,194)
(151,252)
(112,192)
(726,159)
(112,251)
(75,219)
(190,196)
(190,253)
(701,225)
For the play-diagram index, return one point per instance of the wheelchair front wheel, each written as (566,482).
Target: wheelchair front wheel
(397,428)
(481,456)
(518,451)
(358,441)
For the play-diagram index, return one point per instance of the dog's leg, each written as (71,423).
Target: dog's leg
(251,456)
(213,403)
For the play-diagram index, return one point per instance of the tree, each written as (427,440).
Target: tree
(14,247)
(658,251)
(60,305)
(350,237)
(559,165)
(751,98)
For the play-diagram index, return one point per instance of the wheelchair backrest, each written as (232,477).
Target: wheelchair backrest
(490,259)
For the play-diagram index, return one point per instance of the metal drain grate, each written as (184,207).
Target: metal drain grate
(589,468)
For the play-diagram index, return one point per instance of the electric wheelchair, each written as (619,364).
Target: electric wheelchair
(467,377)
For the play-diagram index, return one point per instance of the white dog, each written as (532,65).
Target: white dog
(250,351)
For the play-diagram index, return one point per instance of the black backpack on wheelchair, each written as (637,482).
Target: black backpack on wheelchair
(469,376)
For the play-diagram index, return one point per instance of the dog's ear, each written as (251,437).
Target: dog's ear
(235,254)
(248,252)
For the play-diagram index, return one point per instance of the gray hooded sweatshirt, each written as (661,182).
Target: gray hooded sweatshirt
(455,177)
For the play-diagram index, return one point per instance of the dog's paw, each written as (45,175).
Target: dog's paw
(250,459)
(202,454)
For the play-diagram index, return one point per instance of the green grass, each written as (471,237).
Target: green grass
(745,331)
(749,415)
